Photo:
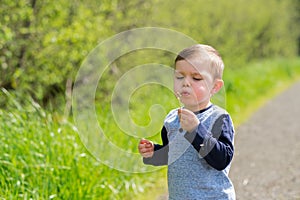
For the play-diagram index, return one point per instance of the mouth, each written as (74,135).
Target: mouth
(185,93)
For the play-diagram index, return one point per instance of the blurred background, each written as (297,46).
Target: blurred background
(42,46)
(43,42)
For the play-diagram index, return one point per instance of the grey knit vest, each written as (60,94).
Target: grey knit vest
(189,175)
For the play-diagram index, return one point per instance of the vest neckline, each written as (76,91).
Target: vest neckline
(203,110)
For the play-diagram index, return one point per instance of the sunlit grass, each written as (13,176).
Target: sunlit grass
(251,86)
(42,158)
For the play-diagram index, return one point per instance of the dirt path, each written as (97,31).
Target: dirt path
(267,157)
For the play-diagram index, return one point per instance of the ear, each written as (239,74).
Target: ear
(218,84)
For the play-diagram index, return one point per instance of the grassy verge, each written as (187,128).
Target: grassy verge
(248,88)
(42,156)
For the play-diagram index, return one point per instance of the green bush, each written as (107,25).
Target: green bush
(42,44)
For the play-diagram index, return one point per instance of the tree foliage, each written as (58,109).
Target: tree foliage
(42,43)
(241,30)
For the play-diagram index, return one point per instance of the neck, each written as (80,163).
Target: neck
(198,107)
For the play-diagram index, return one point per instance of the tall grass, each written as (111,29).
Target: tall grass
(42,156)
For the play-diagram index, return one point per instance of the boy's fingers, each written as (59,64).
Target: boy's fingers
(149,145)
(142,146)
(145,151)
(179,111)
(144,141)
(147,155)
(145,147)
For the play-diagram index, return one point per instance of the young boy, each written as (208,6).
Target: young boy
(198,138)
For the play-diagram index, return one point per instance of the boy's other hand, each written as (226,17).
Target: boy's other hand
(146,148)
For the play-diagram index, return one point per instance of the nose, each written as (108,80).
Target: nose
(186,82)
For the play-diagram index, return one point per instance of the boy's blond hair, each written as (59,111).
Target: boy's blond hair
(204,53)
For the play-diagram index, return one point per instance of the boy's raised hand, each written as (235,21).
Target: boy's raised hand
(146,148)
(188,120)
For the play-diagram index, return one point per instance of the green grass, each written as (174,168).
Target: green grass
(248,88)
(42,156)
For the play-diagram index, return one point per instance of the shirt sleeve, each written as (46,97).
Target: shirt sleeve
(160,156)
(216,147)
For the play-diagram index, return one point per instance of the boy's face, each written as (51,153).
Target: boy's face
(194,84)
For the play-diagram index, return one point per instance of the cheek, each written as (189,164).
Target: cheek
(201,90)
(176,85)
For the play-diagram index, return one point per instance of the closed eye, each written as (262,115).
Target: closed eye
(179,77)
(197,79)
